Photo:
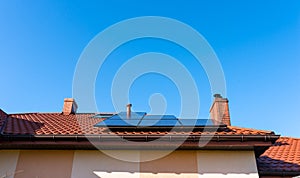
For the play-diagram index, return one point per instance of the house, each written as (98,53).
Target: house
(77,145)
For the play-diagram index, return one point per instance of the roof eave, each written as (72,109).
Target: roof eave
(239,142)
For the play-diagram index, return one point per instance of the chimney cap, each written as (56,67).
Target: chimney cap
(217,95)
(69,99)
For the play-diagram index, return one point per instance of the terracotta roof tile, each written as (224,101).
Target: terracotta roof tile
(283,156)
(57,123)
(51,123)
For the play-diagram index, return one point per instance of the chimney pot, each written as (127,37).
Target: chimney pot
(128,110)
(217,96)
(70,106)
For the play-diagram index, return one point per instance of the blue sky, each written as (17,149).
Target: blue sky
(257,43)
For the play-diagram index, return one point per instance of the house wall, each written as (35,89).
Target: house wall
(93,164)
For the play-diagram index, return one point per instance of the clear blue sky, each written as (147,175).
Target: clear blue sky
(257,43)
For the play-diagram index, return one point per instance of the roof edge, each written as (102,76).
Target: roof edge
(279,173)
(143,141)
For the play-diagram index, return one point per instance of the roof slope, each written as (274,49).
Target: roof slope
(77,131)
(57,124)
(283,158)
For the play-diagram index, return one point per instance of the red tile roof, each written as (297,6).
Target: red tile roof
(57,123)
(284,155)
(3,116)
(282,158)
(51,123)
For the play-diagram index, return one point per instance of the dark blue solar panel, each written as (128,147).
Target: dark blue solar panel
(196,122)
(159,123)
(162,117)
(118,123)
(140,119)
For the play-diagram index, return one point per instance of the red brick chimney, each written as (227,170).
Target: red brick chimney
(219,110)
(70,106)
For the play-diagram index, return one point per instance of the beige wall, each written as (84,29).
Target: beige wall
(45,164)
(96,164)
(8,163)
(227,163)
(93,164)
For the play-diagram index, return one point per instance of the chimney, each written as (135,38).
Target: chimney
(128,110)
(219,110)
(70,106)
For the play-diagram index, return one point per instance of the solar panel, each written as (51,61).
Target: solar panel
(196,122)
(159,123)
(162,117)
(141,120)
(118,123)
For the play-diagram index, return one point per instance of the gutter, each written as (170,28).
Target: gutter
(142,138)
(167,141)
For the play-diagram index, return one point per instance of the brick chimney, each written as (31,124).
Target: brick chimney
(219,111)
(70,106)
